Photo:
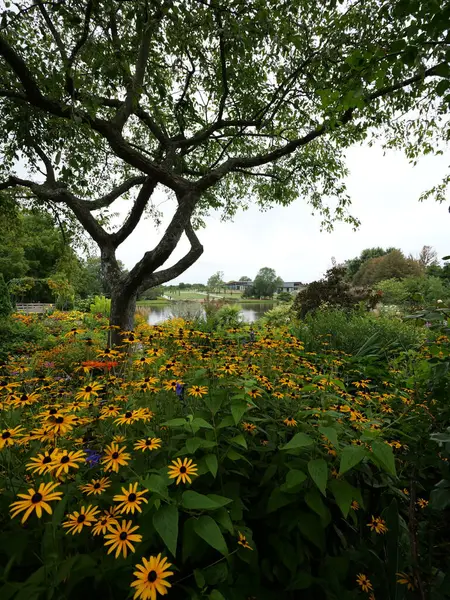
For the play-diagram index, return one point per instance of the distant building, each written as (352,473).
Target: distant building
(239,285)
(292,287)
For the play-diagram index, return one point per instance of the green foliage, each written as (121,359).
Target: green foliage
(284,297)
(18,337)
(101,305)
(391,265)
(412,291)
(215,282)
(5,300)
(278,316)
(229,315)
(266,283)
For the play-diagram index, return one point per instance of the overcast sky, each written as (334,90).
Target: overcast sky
(384,190)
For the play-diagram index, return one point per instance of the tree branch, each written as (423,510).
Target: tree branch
(54,32)
(78,45)
(109,198)
(223,67)
(135,214)
(45,159)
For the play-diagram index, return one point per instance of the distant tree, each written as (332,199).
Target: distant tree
(393,265)
(353,265)
(152,293)
(5,301)
(266,282)
(244,278)
(215,282)
(284,297)
(428,257)
(182,286)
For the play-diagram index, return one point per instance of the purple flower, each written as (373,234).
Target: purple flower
(180,390)
(93,457)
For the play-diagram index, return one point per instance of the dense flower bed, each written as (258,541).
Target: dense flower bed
(214,465)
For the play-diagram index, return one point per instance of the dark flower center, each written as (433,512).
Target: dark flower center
(6,435)
(36,498)
(59,420)
(131,337)
(81,519)
(152,576)
(182,469)
(148,442)
(3,384)
(24,397)
(115,455)
(128,414)
(106,351)
(46,460)
(88,388)
(96,486)
(65,459)
(123,535)
(131,497)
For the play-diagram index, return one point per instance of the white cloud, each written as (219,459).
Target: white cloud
(384,191)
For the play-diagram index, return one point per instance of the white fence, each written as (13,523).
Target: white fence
(37,307)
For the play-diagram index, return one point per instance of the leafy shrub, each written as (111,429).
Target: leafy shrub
(5,301)
(101,305)
(229,315)
(278,316)
(359,333)
(83,304)
(18,337)
(284,297)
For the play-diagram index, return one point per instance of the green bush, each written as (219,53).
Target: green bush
(229,316)
(278,316)
(5,301)
(359,333)
(101,305)
(17,337)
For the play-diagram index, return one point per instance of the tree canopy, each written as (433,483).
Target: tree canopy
(217,103)
(266,283)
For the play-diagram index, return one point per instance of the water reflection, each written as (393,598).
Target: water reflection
(250,311)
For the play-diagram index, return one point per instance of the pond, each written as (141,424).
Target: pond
(251,311)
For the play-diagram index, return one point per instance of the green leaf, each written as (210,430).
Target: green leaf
(207,529)
(195,501)
(199,578)
(239,440)
(227,421)
(165,521)
(331,434)
(238,410)
(314,500)
(319,473)
(222,517)
(175,422)
(294,478)
(198,422)
(193,444)
(216,595)
(299,440)
(212,463)
(351,456)
(384,453)
(343,494)
(156,484)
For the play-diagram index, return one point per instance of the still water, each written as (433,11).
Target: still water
(250,311)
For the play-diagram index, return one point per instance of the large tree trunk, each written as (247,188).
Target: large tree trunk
(123,307)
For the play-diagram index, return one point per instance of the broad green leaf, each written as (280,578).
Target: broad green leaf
(206,528)
(165,521)
(156,484)
(227,421)
(199,578)
(298,441)
(201,423)
(343,494)
(237,410)
(319,473)
(193,444)
(331,434)
(314,500)
(351,456)
(216,595)
(239,440)
(222,517)
(384,453)
(212,464)
(175,422)
(195,501)
(294,478)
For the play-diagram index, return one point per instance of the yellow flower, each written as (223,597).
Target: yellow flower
(76,521)
(36,500)
(40,464)
(130,500)
(290,422)
(405,579)
(59,424)
(249,427)
(115,457)
(88,391)
(127,418)
(243,541)
(364,582)
(62,460)
(151,578)
(254,393)
(104,523)
(97,486)
(148,444)
(10,436)
(198,391)
(422,503)
(354,505)
(182,470)
(121,537)
(378,525)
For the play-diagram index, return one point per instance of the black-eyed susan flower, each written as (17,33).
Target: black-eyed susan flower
(254,393)
(36,500)
(88,391)
(97,486)
(76,521)
(249,427)
(120,537)
(422,503)
(151,578)
(290,422)
(62,460)
(242,541)
(119,439)
(405,579)
(104,523)
(10,436)
(182,470)
(40,464)
(378,525)
(197,391)
(127,418)
(364,582)
(148,444)
(115,457)
(107,352)
(59,424)
(354,505)
(130,500)
(109,411)
(25,400)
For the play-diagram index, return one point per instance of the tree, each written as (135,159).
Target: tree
(244,278)
(216,103)
(353,265)
(215,282)
(428,257)
(393,265)
(266,283)
(5,301)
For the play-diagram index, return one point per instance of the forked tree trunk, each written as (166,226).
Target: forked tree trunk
(123,307)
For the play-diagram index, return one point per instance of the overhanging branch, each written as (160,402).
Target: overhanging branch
(135,214)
